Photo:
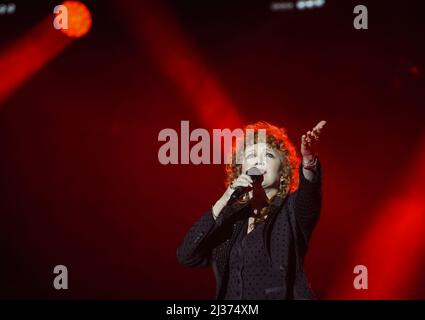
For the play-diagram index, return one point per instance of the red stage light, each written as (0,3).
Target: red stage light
(79,19)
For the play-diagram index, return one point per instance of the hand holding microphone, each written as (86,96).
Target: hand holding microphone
(253,175)
(244,183)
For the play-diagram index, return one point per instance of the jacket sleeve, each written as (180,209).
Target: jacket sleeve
(308,202)
(196,247)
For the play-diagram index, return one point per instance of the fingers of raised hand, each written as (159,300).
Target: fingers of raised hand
(308,138)
(313,135)
(319,126)
(304,139)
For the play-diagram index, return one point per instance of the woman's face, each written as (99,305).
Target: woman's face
(266,160)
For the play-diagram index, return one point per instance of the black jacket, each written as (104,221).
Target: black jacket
(208,242)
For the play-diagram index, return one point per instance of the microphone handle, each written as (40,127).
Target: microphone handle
(237,193)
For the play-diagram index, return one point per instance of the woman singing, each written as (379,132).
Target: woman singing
(256,245)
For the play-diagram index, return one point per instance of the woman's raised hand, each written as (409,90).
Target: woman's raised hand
(310,139)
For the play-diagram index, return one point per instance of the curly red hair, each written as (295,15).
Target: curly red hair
(277,139)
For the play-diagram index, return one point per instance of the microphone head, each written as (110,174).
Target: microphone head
(256,176)
(254,173)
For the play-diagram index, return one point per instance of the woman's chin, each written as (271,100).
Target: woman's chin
(266,186)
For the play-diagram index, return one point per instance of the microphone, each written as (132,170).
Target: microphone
(256,176)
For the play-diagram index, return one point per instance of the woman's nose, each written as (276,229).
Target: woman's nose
(260,161)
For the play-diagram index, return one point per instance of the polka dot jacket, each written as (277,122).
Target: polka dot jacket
(267,263)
